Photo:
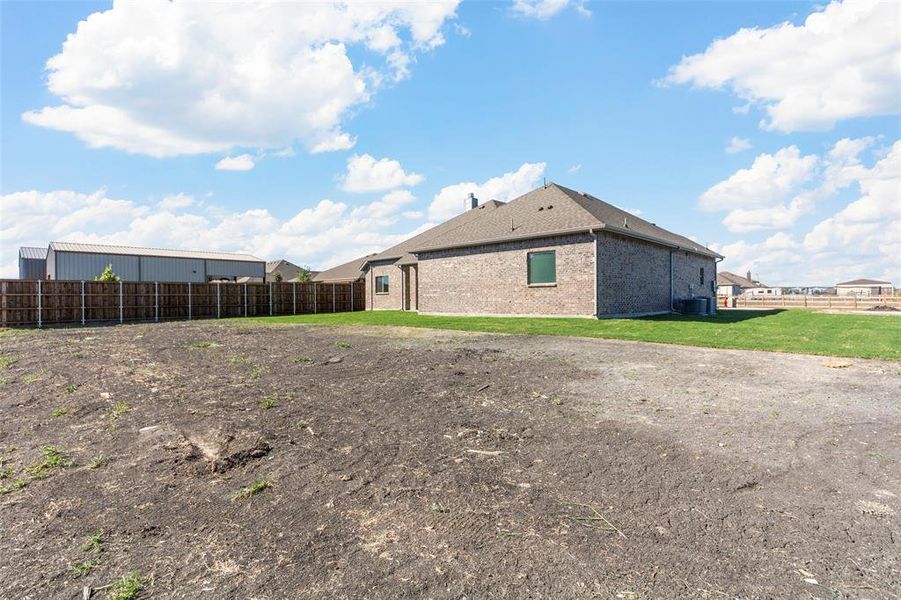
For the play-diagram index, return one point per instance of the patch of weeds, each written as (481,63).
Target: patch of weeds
(556,401)
(7,360)
(302,425)
(269,402)
(70,387)
(98,461)
(127,586)
(304,360)
(239,360)
(119,409)
(343,345)
(15,484)
(3,380)
(257,372)
(437,507)
(53,459)
(881,457)
(59,412)
(81,568)
(252,489)
(5,471)
(94,546)
(32,377)
(94,543)
(202,345)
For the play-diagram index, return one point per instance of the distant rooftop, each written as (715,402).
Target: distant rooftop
(32,252)
(162,252)
(865,282)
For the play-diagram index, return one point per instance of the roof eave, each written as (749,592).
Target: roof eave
(604,226)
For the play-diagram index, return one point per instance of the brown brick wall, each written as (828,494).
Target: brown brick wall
(492,280)
(633,276)
(391,300)
(686,275)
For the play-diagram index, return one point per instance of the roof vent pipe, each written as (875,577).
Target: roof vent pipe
(473,201)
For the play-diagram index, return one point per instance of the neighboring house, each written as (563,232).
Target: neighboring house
(349,271)
(72,261)
(550,252)
(32,263)
(288,270)
(865,287)
(730,285)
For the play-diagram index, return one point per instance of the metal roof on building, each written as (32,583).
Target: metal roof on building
(159,252)
(32,252)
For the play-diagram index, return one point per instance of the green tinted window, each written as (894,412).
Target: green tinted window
(542,267)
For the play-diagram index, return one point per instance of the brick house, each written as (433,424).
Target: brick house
(550,252)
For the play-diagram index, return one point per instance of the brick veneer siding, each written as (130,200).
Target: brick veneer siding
(493,280)
(391,300)
(686,275)
(633,276)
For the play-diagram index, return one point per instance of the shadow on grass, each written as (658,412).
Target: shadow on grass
(722,316)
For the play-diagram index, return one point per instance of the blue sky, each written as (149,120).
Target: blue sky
(119,139)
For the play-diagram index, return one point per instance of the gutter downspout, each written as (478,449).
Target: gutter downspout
(672,300)
(595,236)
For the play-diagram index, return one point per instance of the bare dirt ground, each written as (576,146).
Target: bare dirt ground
(415,463)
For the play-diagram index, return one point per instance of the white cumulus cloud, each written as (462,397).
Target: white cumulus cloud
(167,78)
(453,199)
(368,174)
(862,239)
(738,144)
(323,235)
(545,9)
(242,162)
(843,62)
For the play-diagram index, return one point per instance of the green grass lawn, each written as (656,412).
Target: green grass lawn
(859,336)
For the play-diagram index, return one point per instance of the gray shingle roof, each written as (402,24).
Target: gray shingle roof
(32,252)
(349,271)
(865,282)
(401,253)
(136,251)
(552,210)
(727,278)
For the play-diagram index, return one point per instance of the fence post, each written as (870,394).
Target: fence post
(333,298)
(40,316)
(295,297)
(218,303)
(156,301)
(121,309)
(82,303)
(270,298)
(351,296)
(315,299)
(189,301)
(245,299)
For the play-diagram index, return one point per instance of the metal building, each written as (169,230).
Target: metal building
(32,263)
(73,261)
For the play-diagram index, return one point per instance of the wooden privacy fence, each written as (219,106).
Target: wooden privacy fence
(39,303)
(821,302)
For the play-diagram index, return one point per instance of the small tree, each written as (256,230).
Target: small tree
(278,277)
(108,274)
(304,275)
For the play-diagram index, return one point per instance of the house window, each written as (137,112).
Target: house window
(381,284)
(542,267)
(702,275)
